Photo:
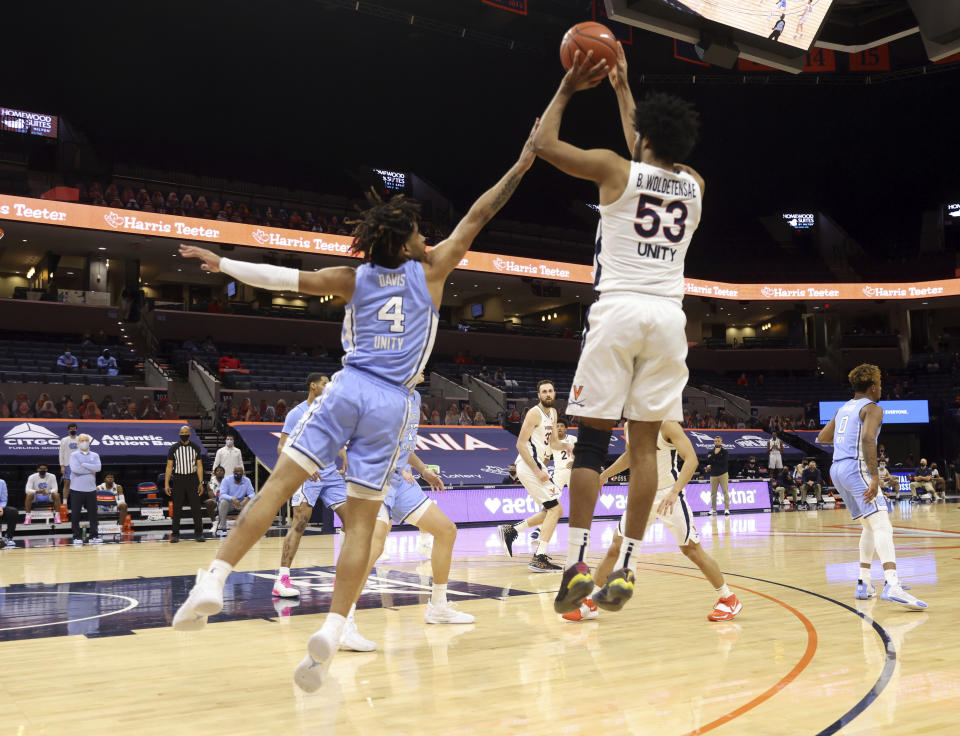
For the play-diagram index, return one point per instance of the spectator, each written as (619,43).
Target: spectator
(38,406)
(208,346)
(216,478)
(783,484)
(484,374)
(67,362)
(742,380)
(84,466)
(775,453)
(889,483)
(281,410)
(950,477)
(718,467)
(185,465)
(69,410)
(882,454)
(424,417)
(68,445)
(499,379)
(23,411)
(228,362)
(41,488)
(169,413)
(106,363)
(228,457)
(128,411)
(751,470)
(478,419)
(798,472)
(923,480)
(812,482)
(466,416)
(110,496)
(86,339)
(4,407)
(511,478)
(938,483)
(295,350)
(8,516)
(48,410)
(452,417)
(235,492)
(435,417)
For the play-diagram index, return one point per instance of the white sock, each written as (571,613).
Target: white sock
(867,547)
(283,571)
(541,547)
(578,541)
(220,569)
(353,609)
(439,597)
(333,626)
(891,577)
(629,550)
(522,525)
(724,591)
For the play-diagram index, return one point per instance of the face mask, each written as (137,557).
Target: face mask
(42,473)
(184,438)
(229,443)
(73,433)
(237,476)
(84,446)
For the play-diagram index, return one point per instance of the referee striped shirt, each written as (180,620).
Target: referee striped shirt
(184,458)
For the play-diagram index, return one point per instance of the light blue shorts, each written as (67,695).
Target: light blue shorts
(405,501)
(66,472)
(330,490)
(364,411)
(851,480)
(42,498)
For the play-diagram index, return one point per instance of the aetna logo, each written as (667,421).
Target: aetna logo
(29,434)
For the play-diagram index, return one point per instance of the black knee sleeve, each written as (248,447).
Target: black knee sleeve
(591,448)
(551,504)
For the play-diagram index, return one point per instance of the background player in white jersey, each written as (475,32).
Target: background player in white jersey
(853,432)
(633,361)
(670,506)
(389,329)
(563,459)
(536,444)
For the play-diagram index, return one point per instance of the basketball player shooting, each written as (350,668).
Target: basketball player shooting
(391,321)
(633,360)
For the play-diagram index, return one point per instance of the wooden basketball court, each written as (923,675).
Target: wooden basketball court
(86,645)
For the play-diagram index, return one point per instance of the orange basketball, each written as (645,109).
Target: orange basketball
(585,37)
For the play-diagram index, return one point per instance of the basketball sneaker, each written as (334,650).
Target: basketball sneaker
(28,518)
(312,670)
(95,540)
(445,614)
(56,518)
(541,563)
(351,639)
(865,591)
(588,610)
(575,585)
(283,588)
(284,606)
(616,591)
(725,609)
(508,535)
(77,542)
(205,599)
(896,594)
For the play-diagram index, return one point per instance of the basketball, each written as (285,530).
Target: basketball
(586,37)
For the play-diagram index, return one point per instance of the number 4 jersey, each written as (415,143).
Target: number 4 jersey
(390,323)
(643,237)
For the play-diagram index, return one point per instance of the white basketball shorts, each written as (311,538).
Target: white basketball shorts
(540,491)
(634,360)
(679,521)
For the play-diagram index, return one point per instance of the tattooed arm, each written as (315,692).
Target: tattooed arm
(440,261)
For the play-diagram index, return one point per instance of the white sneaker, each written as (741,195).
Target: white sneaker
(28,518)
(312,670)
(222,533)
(95,540)
(384,557)
(446,614)
(205,599)
(425,545)
(351,639)
(8,543)
(712,512)
(896,594)
(56,518)
(283,588)
(77,542)
(726,512)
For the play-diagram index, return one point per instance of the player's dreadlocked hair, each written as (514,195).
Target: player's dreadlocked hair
(383,228)
(670,124)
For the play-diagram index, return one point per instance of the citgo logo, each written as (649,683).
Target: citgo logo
(29,434)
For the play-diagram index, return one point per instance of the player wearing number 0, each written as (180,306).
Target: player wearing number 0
(633,360)
(388,332)
(853,432)
(536,444)
(672,509)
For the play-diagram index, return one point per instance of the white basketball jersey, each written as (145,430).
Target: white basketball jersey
(539,443)
(643,237)
(564,459)
(666,463)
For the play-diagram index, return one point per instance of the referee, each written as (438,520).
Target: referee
(185,475)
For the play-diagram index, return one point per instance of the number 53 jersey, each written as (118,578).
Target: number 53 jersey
(643,237)
(390,323)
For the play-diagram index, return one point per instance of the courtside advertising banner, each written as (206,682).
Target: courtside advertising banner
(107,219)
(738,443)
(38,440)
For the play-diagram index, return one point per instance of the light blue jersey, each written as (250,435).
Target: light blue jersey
(848,431)
(409,442)
(390,323)
(329,473)
(849,471)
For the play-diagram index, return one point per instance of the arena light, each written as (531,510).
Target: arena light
(31,272)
